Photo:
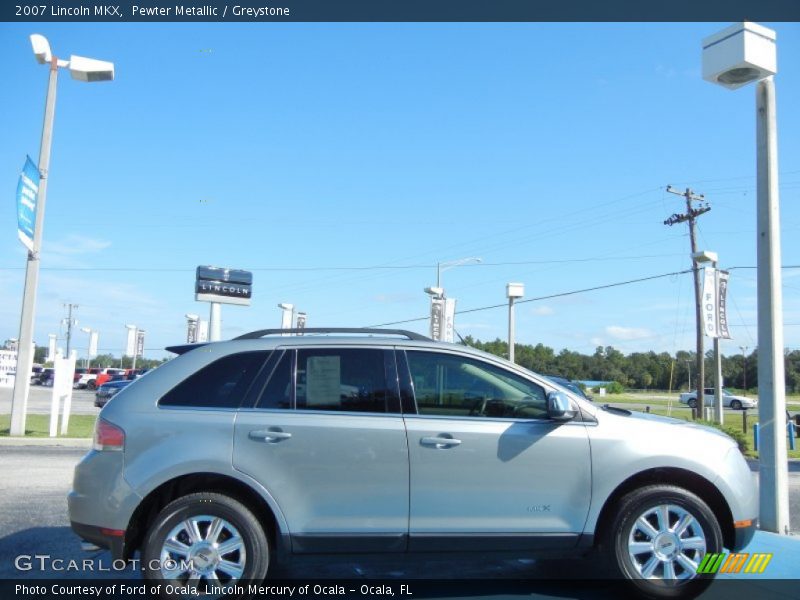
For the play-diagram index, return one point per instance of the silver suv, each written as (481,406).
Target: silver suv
(239,454)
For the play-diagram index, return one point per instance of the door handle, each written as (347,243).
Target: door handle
(440,442)
(268,436)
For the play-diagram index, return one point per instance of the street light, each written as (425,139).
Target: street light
(713,258)
(513,292)
(82,69)
(736,56)
(443,266)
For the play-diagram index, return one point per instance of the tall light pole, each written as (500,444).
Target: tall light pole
(734,57)
(711,257)
(514,291)
(744,369)
(82,69)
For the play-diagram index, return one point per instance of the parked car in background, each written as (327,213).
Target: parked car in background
(46,377)
(36,371)
(110,389)
(729,400)
(96,376)
(238,454)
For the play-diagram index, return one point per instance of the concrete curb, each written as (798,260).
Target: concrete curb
(46,441)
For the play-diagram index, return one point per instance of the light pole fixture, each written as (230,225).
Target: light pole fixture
(82,69)
(741,54)
(713,258)
(514,291)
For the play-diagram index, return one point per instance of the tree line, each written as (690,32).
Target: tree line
(640,370)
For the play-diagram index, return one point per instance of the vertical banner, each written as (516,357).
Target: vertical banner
(449,319)
(301,320)
(140,342)
(709,302)
(51,348)
(191,328)
(722,304)
(287,310)
(93,344)
(27,196)
(130,343)
(437,316)
(202,331)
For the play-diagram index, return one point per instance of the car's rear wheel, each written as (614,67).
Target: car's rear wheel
(204,540)
(658,538)
(692,403)
(92,384)
(736,405)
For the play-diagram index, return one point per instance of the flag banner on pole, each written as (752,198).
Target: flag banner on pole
(93,344)
(709,303)
(191,330)
(27,198)
(140,342)
(202,331)
(51,348)
(722,305)
(449,319)
(130,343)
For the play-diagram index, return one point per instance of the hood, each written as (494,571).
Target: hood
(639,418)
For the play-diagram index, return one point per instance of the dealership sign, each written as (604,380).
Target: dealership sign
(715,303)
(226,286)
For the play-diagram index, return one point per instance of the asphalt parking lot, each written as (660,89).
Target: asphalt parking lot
(33,521)
(40,397)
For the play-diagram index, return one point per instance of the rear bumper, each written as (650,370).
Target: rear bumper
(101,537)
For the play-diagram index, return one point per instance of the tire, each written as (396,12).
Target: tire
(208,514)
(692,402)
(736,405)
(645,549)
(92,384)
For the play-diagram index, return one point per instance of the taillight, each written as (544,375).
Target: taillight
(108,436)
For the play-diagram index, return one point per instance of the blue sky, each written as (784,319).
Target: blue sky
(295,149)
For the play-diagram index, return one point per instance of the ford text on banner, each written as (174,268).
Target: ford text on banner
(27,195)
(709,303)
(722,305)
(449,319)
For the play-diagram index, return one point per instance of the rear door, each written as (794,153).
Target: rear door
(327,439)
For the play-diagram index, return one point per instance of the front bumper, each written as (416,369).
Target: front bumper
(744,535)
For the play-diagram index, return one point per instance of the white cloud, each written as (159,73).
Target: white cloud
(596,341)
(543,311)
(628,333)
(77,244)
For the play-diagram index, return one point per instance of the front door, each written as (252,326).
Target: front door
(488,469)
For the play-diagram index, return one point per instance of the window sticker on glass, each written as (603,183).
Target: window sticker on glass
(323,380)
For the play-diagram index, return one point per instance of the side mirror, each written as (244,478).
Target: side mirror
(559,407)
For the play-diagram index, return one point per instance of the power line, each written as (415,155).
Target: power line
(548,297)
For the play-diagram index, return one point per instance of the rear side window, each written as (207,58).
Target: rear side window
(342,380)
(222,384)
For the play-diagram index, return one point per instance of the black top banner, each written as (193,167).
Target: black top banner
(402,10)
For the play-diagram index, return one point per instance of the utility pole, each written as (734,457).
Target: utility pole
(744,369)
(70,323)
(690,216)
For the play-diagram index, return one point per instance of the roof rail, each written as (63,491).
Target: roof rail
(319,330)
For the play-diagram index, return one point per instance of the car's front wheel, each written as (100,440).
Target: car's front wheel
(736,405)
(692,403)
(658,538)
(205,540)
